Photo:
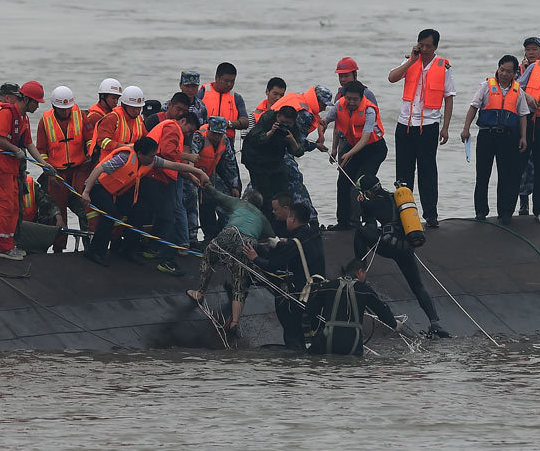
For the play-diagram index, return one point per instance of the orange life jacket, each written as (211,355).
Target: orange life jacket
(209,157)
(533,85)
(98,109)
(9,164)
(306,101)
(121,180)
(501,110)
(351,125)
(65,151)
(123,133)
(433,88)
(220,104)
(260,110)
(29,201)
(166,175)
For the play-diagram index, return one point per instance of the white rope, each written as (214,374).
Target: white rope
(458,304)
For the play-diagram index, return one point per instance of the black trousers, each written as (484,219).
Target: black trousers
(533,140)
(269,183)
(419,149)
(211,224)
(403,255)
(367,161)
(122,206)
(503,147)
(290,317)
(156,204)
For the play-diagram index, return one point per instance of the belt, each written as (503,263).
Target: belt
(499,130)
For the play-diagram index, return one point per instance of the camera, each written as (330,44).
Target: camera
(282,130)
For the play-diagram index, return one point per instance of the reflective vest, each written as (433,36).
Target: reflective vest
(166,175)
(533,85)
(351,125)
(209,157)
(121,180)
(306,101)
(220,104)
(501,110)
(260,110)
(9,164)
(64,151)
(29,201)
(123,133)
(432,88)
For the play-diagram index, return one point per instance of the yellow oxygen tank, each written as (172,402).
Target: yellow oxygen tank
(408,214)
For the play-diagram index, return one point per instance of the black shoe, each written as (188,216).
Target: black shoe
(432,223)
(170,268)
(436,329)
(339,227)
(524,211)
(524,205)
(480,217)
(97,258)
(505,220)
(134,257)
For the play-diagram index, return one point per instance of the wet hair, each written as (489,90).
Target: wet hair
(192,119)
(301,212)
(284,199)
(509,59)
(225,69)
(354,266)
(145,146)
(430,32)
(356,87)
(276,82)
(180,97)
(289,112)
(254,198)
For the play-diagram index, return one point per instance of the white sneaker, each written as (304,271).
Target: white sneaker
(20,251)
(12,254)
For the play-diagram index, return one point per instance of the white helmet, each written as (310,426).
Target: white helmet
(133,96)
(62,97)
(110,86)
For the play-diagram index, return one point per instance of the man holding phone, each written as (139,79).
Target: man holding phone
(428,81)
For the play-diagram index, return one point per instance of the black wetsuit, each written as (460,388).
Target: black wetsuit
(341,330)
(393,244)
(287,257)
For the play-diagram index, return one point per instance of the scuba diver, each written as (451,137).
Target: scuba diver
(335,311)
(400,232)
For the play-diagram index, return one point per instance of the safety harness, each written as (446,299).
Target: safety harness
(310,279)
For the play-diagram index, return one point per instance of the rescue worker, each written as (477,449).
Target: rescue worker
(308,105)
(287,255)
(38,206)
(530,83)
(428,80)
(160,191)
(123,125)
(189,85)
(379,205)
(264,149)
(109,91)
(246,224)
(359,121)
(503,126)
(217,160)
(176,108)
(113,186)
(335,312)
(281,207)
(221,100)
(14,136)
(63,135)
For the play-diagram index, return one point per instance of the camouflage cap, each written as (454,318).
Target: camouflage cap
(9,89)
(532,40)
(190,78)
(151,107)
(217,124)
(323,95)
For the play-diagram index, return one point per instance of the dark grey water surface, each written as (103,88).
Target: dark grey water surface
(459,394)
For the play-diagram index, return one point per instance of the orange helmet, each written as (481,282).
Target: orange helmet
(346,65)
(34,90)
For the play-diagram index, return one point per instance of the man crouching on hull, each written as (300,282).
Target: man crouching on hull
(380,206)
(335,311)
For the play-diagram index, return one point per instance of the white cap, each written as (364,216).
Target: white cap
(62,97)
(133,96)
(110,86)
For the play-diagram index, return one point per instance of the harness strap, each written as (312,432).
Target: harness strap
(304,294)
(329,329)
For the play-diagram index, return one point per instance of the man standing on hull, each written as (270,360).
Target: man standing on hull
(428,80)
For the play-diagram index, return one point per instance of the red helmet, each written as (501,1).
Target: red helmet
(346,65)
(34,90)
